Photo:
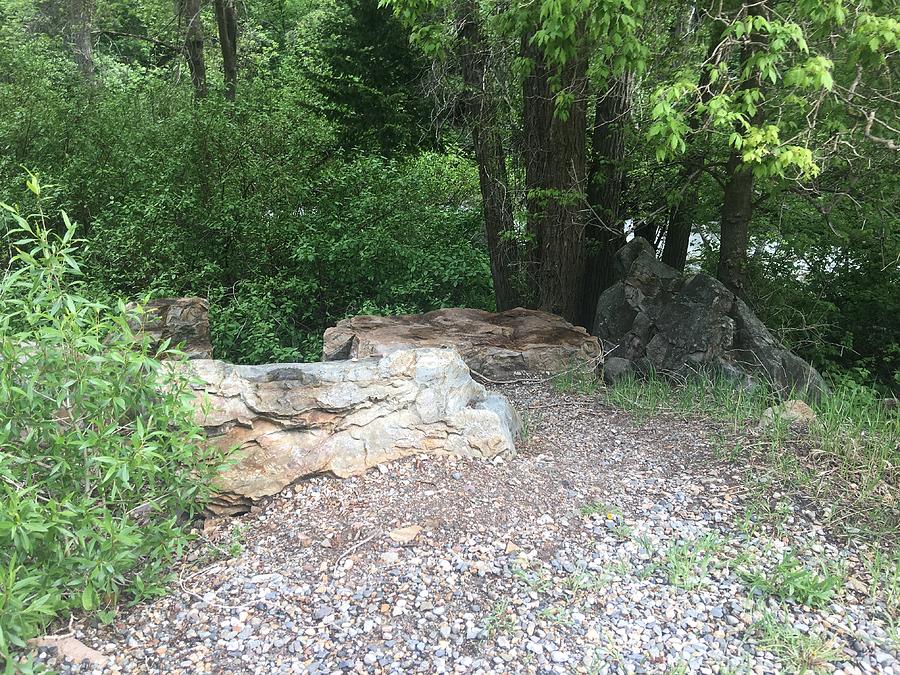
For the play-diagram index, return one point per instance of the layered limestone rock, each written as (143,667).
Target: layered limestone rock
(657,318)
(495,345)
(282,422)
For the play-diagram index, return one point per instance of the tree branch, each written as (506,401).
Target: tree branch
(133,36)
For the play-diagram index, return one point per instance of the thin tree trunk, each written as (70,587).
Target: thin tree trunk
(737,212)
(737,202)
(80,26)
(681,213)
(680,224)
(554,181)
(491,160)
(226,21)
(193,45)
(605,229)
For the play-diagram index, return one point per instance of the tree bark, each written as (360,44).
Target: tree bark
(737,212)
(554,182)
(605,229)
(80,27)
(193,45)
(226,21)
(491,160)
(737,202)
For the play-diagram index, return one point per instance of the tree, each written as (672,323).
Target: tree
(369,78)
(226,21)
(606,184)
(82,44)
(556,43)
(189,11)
(761,70)
(555,176)
(682,209)
(481,107)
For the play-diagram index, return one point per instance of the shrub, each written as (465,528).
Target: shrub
(99,462)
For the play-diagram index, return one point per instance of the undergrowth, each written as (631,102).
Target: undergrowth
(100,465)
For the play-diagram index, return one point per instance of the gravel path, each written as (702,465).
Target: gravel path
(606,545)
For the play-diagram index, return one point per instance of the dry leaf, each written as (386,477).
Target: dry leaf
(404,535)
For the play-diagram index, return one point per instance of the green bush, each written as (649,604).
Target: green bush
(100,467)
(252,203)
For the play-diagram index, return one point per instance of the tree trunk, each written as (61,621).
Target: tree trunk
(554,181)
(193,45)
(226,21)
(491,160)
(605,230)
(80,27)
(647,229)
(737,202)
(681,213)
(680,221)
(737,211)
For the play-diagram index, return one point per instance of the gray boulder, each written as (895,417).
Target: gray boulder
(659,319)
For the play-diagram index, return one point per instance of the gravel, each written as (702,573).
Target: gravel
(609,544)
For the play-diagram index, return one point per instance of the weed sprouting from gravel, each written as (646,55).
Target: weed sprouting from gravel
(792,580)
(799,652)
(687,564)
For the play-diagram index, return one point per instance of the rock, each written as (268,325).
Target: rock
(182,321)
(656,318)
(494,345)
(70,648)
(282,422)
(404,535)
(616,369)
(796,414)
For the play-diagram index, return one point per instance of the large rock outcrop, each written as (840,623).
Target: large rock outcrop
(182,321)
(288,421)
(657,318)
(495,345)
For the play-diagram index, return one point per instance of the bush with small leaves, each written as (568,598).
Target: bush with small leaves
(100,461)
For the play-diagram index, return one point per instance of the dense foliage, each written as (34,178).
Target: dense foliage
(99,461)
(370,143)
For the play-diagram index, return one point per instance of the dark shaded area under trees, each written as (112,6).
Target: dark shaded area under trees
(298,162)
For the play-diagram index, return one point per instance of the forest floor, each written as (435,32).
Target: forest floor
(610,543)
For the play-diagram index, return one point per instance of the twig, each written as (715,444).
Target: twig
(353,548)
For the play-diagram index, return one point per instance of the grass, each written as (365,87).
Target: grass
(687,564)
(536,582)
(583,580)
(799,652)
(713,397)
(499,621)
(848,460)
(555,615)
(884,570)
(792,580)
(595,508)
(577,380)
